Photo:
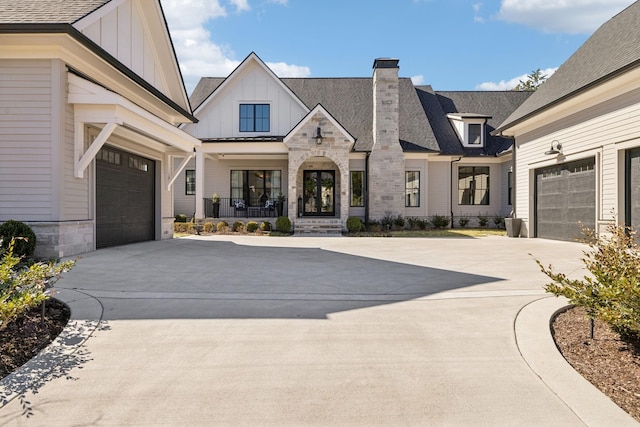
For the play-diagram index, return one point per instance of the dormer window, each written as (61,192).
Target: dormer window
(470,128)
(255,118)
(474,134)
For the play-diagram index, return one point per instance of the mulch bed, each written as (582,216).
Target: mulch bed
(27,335)
(607,361)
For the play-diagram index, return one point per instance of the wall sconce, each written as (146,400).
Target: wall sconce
(556,148)
(318,136)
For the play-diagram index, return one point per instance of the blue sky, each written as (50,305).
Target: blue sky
(449,44)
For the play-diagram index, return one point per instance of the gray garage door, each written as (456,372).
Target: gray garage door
(633,188)
(565,195)
(125,198)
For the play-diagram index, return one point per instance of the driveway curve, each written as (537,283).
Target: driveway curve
(242,330)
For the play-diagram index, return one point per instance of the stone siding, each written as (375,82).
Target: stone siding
(386,162)
(332,154)
(63,239)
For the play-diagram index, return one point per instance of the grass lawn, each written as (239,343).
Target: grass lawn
(468,233)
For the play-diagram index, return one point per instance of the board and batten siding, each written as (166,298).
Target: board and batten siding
(25,140)
(603,131)
(220,117)
(121,32)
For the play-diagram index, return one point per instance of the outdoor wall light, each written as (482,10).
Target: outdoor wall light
(318,136)
(556,148)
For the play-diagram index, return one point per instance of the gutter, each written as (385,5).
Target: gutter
(451,185)
(366,188)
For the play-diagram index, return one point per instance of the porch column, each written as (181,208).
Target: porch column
(199,185)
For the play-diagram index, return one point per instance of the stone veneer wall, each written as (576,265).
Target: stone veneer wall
(303,150)
(386,162)
(63,239)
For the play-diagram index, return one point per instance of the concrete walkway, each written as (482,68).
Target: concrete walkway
(239,330)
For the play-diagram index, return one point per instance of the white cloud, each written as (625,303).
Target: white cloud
(417,80)
(199,55)
(241,5)
(511,83)
(561,16)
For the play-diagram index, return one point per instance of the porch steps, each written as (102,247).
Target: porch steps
(318,226)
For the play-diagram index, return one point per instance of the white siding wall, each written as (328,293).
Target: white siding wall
(184,204)
(438,188)
(121,32)
(25,135)
(602,131)
(419,165)
(220,117)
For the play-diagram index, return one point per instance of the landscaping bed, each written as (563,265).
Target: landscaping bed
(24,337)
(607,361)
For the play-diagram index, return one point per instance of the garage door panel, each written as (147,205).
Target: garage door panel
(565,197)
(125,198)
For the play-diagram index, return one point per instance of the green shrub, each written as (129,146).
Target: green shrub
(237,226)
(265,226)
(252,227)
(483,220)
(208,227)
(440,221)
(181,218)
(283,224)
(179,227)
(387,222)
(463,221)
(498,221)
(25,238)
(374,226)
(24,288)
(422,223)
(222,226)
(612,291)
(399,222)
(354,224)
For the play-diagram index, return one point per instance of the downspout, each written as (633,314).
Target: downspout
(366,188)
(451,186)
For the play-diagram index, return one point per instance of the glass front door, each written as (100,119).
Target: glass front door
(319,193)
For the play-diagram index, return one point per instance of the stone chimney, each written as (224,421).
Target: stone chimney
(386,162)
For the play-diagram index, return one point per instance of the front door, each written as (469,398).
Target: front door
(319,193)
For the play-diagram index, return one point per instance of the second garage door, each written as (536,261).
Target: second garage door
(565,195)
(125,198)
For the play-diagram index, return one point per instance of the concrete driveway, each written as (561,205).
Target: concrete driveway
(239,330)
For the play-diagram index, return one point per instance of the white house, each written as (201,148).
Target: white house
(340,147)
(577,139)
(90,99)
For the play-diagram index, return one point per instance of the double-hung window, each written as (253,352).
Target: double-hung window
(190,183)
(473,185)
(412,189)
(255,118)
(357,188)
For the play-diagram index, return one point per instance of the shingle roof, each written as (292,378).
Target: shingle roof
(613,48)
(498,105)
(350,102)
(46,11)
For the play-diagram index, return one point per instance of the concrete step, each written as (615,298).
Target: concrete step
(318,226)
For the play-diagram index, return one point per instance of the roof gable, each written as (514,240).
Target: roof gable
(319,110)
(613,49)
(136,34)
(252,60)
